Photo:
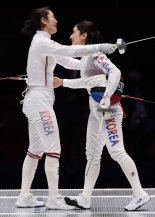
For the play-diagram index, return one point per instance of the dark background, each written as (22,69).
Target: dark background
(130,20)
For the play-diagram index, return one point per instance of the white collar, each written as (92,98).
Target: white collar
(43,33)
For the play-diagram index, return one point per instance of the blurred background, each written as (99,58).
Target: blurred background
(130,20)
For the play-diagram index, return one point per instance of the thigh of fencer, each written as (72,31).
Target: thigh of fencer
(94,142)
(43,127)
(112,131)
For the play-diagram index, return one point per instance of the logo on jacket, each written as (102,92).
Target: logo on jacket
(102,61)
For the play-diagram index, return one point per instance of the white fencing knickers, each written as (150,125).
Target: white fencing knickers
(110,135)
(43,127)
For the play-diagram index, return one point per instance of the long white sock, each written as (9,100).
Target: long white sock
(28,172)
(91,176)
(129,168)
(52,174)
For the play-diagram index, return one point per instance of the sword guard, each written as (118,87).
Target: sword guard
(121,45)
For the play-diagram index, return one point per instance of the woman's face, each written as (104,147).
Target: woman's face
(77,38)
(50,24)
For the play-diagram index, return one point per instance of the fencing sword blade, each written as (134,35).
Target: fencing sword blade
(99,131)
(144,39)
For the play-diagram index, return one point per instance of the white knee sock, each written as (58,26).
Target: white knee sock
(52,174)
(91,176)
(129,168)
(28,172)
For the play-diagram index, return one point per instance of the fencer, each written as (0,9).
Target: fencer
(43,56)
(105,92)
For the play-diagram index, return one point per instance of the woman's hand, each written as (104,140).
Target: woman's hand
(57,82)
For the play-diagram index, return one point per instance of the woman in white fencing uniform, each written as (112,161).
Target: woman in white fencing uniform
(107,94)
(43,56)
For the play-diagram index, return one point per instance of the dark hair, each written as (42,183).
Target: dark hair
(93,34)
(33,24)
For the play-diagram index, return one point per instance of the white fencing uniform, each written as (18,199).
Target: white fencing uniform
(111,130)
(43,56)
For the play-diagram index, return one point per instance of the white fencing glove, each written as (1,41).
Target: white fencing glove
(105,104)
(107,48)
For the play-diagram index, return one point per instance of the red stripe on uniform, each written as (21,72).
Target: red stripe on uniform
(33,155)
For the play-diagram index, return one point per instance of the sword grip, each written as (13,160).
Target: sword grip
(99,109)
